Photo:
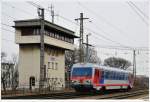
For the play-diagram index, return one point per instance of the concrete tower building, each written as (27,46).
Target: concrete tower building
(57,39)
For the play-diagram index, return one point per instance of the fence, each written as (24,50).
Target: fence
(25,90)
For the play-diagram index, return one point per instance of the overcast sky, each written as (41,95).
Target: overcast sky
(110,23)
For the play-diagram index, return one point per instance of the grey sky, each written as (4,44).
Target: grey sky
(114,20)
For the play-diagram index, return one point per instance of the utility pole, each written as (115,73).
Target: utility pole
(51,8)
(41,16)
(52,13)
(81,36)
(87,47)
(134,64)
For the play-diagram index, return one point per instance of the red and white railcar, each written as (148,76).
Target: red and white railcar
(91,76)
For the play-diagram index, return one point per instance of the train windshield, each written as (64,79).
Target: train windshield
(82,72)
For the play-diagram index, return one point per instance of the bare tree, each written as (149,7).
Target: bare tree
(9,72)
(72,57)
(3,72)
(3,56)
(14,72)
(117,62)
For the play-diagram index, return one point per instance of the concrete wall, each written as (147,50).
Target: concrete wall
(29,59)
(29,64)
(56,76)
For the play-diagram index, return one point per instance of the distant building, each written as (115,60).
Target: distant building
(6,75)
(57,39)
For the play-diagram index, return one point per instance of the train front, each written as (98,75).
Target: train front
(81,78)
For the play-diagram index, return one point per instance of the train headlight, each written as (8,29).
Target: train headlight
(74,81)
(87,81)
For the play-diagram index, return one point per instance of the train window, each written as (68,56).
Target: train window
(126,76)
(106,74)
(121,76)
(114,75)
(82,71)
(102,74)
(111,74)
(118,76)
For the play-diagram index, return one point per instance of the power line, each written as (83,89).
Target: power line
(8,30)
(101,18)
(137,13)
(106,21)
(91,31)
(102,36)
(7,25)
(95,32)
(21,10)
(120,47)
(139,9)
(8,40)
(99,35)
(8,15)
(112,47)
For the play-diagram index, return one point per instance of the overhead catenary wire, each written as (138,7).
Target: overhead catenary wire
(7,30)
(19,9)
(104,37)
(89,30)
(141,17)
(8,15)
(7,25)
(106,21)
(139,9)
(8,40)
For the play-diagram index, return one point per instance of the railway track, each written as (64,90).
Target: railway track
(115,94)
(126,95)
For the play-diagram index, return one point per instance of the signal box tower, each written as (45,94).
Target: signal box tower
(57,39)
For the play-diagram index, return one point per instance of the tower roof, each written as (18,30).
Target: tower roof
(47,24)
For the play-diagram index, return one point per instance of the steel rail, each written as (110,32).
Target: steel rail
(71,95)
(126,95)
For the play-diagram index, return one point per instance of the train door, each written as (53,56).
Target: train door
(102,77)
(96,76)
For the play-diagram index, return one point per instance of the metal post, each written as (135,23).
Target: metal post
(81,37)
(52,13)
(134,64)
(87,47)
(41,15)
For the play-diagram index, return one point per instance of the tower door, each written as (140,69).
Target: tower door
(32,82)
(96,76)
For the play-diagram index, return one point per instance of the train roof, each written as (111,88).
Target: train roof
(100,66)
